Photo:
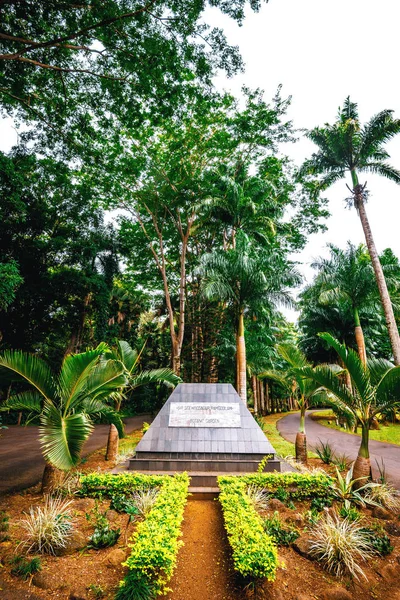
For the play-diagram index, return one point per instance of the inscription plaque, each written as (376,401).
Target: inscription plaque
(204,414)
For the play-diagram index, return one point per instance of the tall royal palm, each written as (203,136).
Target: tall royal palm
(248,283)
(347,277)
(347,146)
(65,402)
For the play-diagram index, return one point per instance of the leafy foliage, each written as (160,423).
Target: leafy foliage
(25,567)
(282,536)
(103,535)
(155,543)
(254,553)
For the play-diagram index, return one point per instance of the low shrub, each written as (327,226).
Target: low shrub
(282,536)
(106,485)
(25,568)
(340,546)
(124,503)
(288,486)
(319,504)
(155,543)
(48,528)
(350,513)
(381,544)
(325,452)
(103,536)
(254,552)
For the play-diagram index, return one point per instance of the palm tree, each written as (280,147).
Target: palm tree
(129,358)
(247,283)
(346,146)
(347,277)
(65,402)
(307,391)
(375,388)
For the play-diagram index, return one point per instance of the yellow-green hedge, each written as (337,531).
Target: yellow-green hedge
(254,552)
(155,543)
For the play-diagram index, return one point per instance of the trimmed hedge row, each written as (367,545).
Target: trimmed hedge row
(254,552)
(155,543)
(105,485)
(298,486)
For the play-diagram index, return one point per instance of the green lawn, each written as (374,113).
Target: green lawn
(387,433)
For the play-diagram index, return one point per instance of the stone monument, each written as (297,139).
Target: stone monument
(204,429)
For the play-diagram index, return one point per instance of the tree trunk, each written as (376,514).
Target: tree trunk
(301,439)
(359,335)
(362,466)
(380,278)
(52,478)
(255,393)
(241,360)
(301,447)
(112,443)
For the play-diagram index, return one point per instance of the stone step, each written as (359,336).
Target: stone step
(219,465)
(203,493)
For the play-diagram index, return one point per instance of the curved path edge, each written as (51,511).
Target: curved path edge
(21,459)
(344,443)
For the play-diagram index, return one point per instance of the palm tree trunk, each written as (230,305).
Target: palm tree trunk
(255,393)
(359,334)
(241,359)
(380,278)
(301,438)
(362,466)
(112,443)
(52,477)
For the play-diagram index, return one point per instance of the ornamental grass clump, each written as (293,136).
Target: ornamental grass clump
(144,500)
(258,497)
(48,528)
(340,546)
(385,495)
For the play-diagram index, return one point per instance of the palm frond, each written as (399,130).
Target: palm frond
(293,355)
(31,369)
(388,388)
(30,400)
(166,376)
(62,438)
(358,372)
(95,407)
(75,371)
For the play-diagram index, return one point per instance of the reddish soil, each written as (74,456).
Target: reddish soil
(204,570)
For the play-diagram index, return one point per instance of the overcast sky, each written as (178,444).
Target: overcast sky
(321,51)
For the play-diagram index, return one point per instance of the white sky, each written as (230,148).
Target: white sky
(322,51)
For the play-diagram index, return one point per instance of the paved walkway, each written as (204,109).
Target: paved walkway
(344,443)
(21,460)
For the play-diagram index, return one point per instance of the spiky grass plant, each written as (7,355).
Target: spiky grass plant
(144,500)
(258,497)
(385,495)
(48,528)
(325,452)
(340,546)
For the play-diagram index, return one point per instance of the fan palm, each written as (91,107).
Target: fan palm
(306,389)
(247,282)
(346,146)
(65,402)
(375,388)
(347,277)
